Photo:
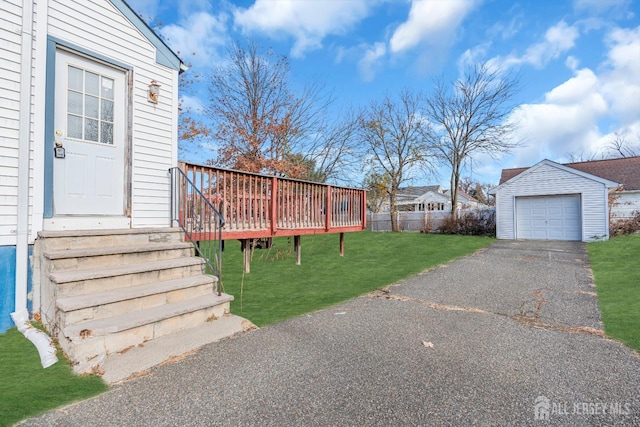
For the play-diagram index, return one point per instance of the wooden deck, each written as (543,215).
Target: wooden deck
(260,206)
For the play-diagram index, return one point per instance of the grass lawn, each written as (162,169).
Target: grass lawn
(617,276)
(278,289)
(26,389)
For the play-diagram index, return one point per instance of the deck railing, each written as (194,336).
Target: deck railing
(199,220)
(258,206)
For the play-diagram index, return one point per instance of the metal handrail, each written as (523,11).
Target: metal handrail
(195,214)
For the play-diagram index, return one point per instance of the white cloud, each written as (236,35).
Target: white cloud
(506,31)
(308,22)
(621,82)
(197,38)
(580,115)
(368,63)
(557,40)
(472,56)
(597,7)
(146,8)
(572,62)
(575,90)
(566,122)
(192,104)
(429,21)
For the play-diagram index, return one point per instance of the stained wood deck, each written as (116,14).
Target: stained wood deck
(261,206)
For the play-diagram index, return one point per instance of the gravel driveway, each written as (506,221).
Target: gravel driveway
(479,341)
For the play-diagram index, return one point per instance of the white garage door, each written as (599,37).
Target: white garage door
(548,218)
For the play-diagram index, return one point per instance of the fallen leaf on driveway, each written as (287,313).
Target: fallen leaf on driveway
(427,344)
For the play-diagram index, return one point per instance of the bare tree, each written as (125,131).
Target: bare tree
(333,151)
(467,184)
(394,133)
(619,146)
(482,194)
(191,127)
(376,186)
(257,118)
(575,157)
(469,117)
(477,190)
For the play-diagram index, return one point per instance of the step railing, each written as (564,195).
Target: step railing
(200,221)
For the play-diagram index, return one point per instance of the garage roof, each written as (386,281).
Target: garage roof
(625,171)
(524,171)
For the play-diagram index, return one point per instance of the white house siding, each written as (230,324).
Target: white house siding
(625,204)
(548,180)
(100,28)
(10,38)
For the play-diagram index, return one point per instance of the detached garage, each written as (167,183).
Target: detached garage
(550,201)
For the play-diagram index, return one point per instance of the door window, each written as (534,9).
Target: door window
(89,106)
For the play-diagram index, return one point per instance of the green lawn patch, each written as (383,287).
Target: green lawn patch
(617,276)
(26,389)
(278,289)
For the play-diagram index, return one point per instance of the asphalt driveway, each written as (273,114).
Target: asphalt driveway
(484,340)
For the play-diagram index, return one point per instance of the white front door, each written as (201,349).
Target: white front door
(88,167)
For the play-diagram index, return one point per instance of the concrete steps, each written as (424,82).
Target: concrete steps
(104,292)
(138,361)
(79,259)
(81,282)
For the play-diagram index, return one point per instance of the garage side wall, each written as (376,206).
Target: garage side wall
(546,181)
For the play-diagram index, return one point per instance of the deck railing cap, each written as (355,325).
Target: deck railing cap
(268,176)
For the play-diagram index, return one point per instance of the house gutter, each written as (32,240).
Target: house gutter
(41,340)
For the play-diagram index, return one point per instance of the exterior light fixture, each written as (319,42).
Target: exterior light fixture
(154,92)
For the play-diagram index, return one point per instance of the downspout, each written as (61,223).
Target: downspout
(42,341)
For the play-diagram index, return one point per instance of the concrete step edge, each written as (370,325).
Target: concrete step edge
(111,325)
(105,232)
(121,270)
(114,250)
(139,360)
(79,302)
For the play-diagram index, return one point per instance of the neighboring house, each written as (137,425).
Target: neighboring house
(466,201)
(432,198)
(551,201)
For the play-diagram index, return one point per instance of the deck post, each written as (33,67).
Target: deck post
(328,210)
(246,255)
(363,209)
(297,247)
(341,244)
(274,205)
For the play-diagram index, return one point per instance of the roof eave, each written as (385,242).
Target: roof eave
(164,54)
(606,182)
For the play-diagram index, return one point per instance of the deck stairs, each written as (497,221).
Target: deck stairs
(106,292)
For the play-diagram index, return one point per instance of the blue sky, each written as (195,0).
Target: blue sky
(579,60)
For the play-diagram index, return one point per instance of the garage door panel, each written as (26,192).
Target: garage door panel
(556,223)
(555,235)
(555,211)
(538,223)
(537,234)
(548,217)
